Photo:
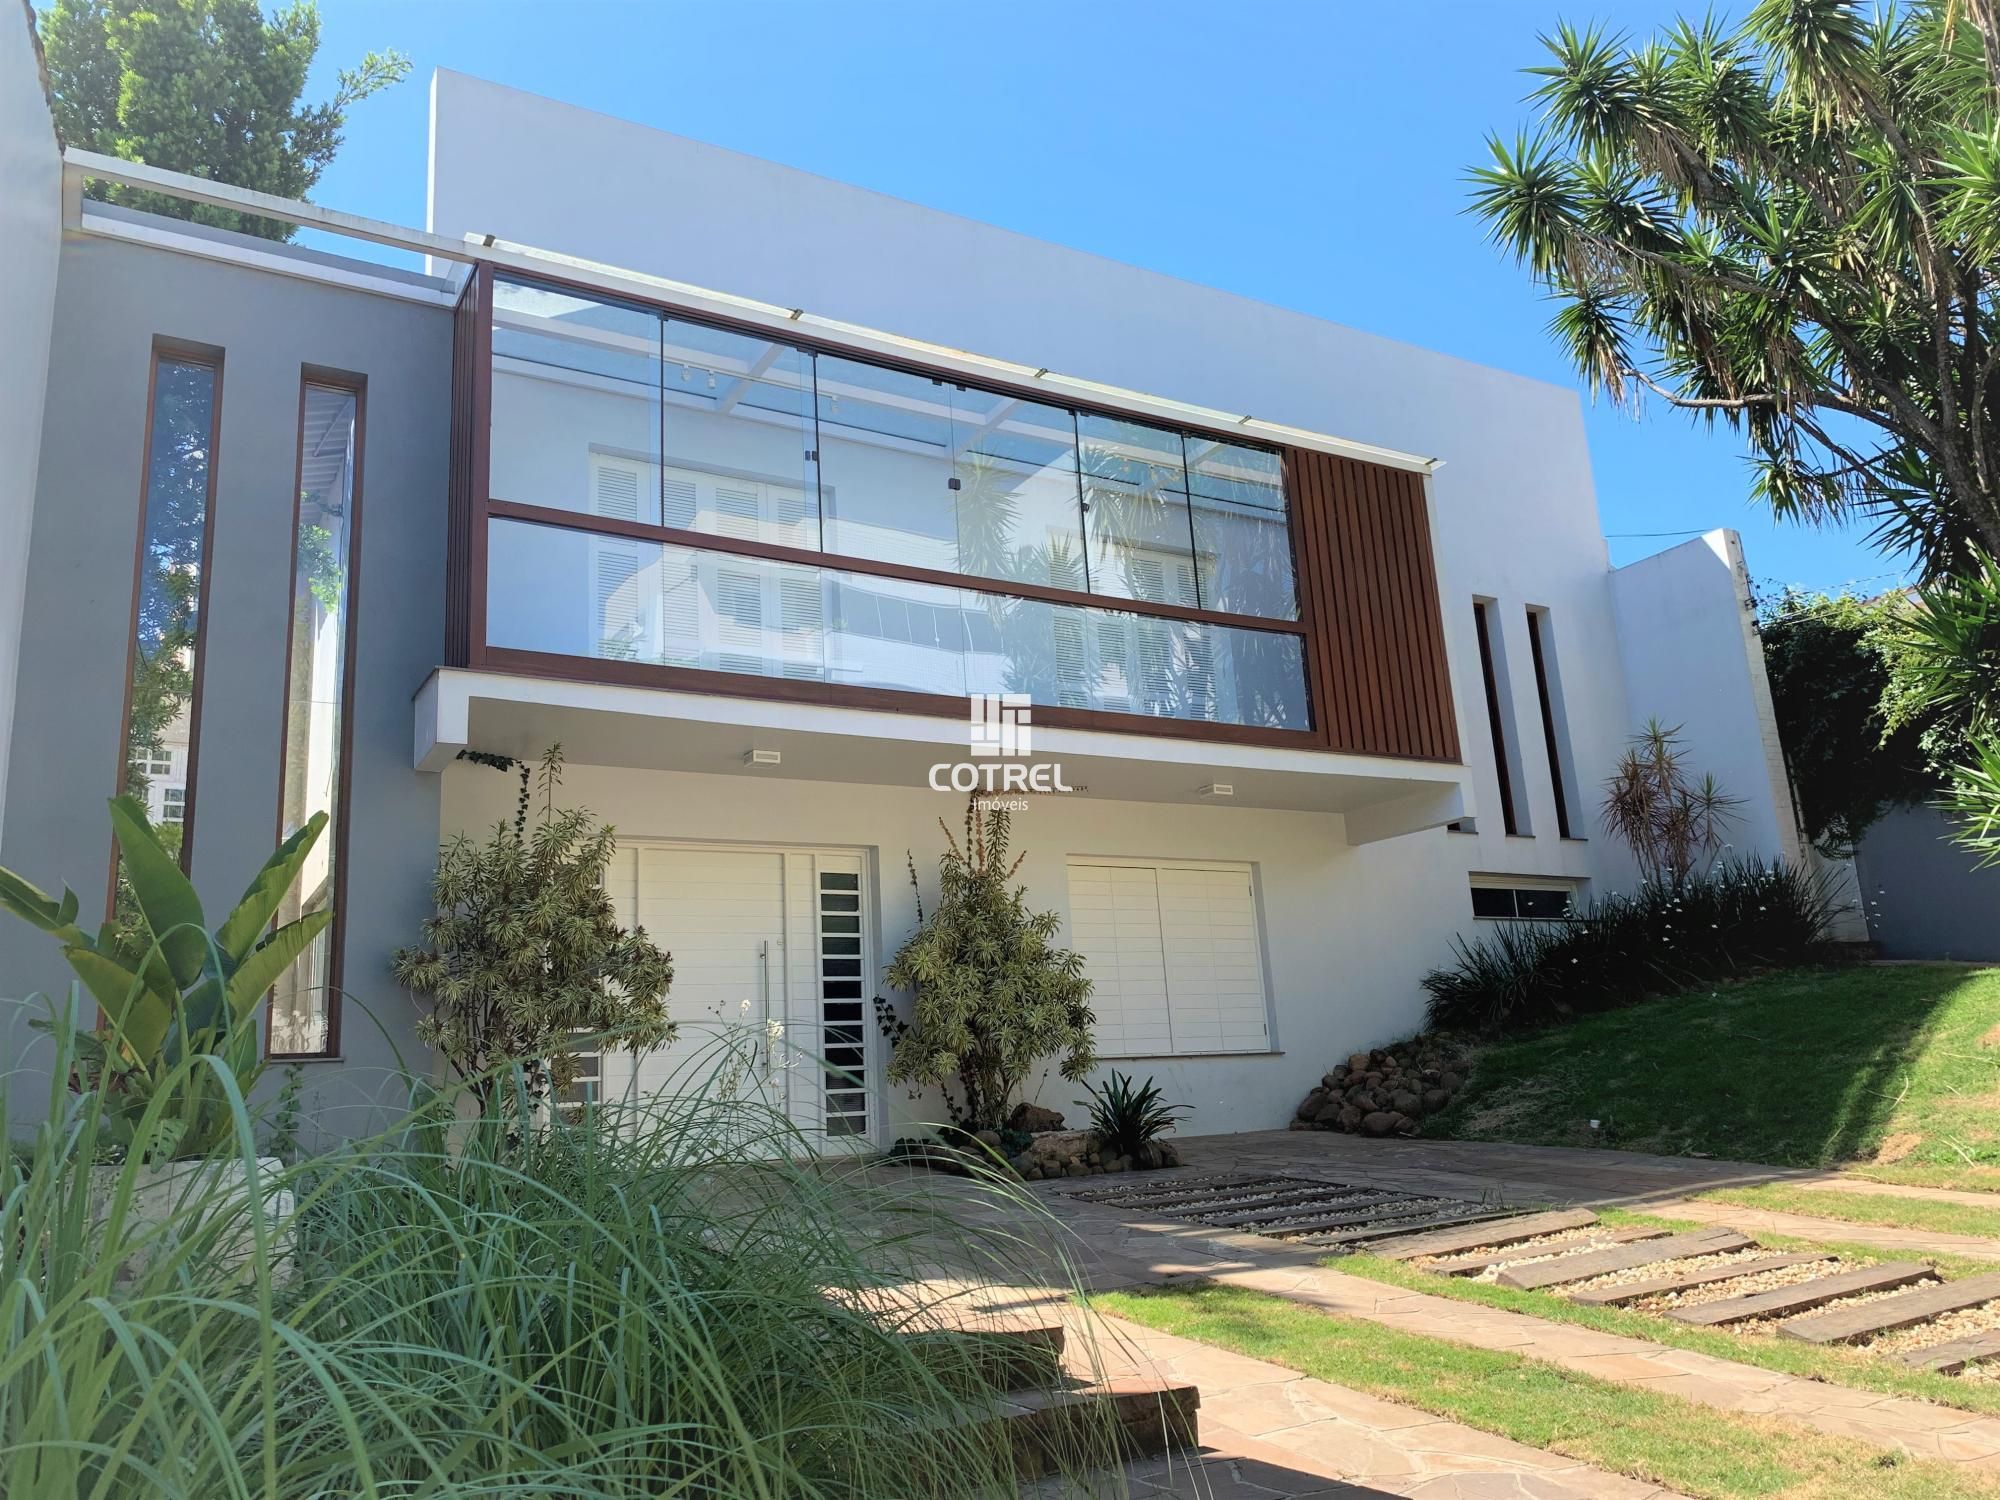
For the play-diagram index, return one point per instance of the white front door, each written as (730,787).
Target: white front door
(771,965)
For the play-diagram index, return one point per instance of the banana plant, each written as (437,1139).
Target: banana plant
(168,988)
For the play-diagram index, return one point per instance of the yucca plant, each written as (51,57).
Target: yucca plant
(1128,1118)
(168,989)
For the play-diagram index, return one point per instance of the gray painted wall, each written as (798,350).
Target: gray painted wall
(30,234)
(1923,897)
(112,301)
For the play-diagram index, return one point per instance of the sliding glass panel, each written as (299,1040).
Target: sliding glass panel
(160,726)
(1136,510)
(322,585)
(1243,546)
(576,403)
(623,600)
(738,424)
(1018,504)
(886,464)
(551,590)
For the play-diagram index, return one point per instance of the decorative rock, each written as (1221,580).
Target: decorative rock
(1032,1119)
(1435,1100)
(1406,1103)
(1358,1063)
(1349,1118)
(1330,1109)
(987,1138)
(1310,1106)
(1378,1122)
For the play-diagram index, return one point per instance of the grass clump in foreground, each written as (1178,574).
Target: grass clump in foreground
(632,1305)
(1660,1439)
(1808,1068)
(1894,1211)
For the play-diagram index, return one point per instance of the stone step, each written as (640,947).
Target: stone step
(1804,1295)
(1511,1232)
(1681,1281)
(1107,1421)
(1278,1209)
(1472,1265)
(1000,1355)
(1950,1358)
(1396,1228)
(1612,1258)
(1841,1324)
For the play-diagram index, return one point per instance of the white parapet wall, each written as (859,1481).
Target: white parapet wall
(1687,634)
(30,240)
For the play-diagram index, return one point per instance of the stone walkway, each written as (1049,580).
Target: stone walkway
(1267,1431)
(1111,1248)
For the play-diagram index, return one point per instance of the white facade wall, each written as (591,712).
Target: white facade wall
(1348,931)
(30,241)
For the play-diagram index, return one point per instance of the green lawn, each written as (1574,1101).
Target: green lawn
(1941,1217)
(1660,1439)
(1816,1068)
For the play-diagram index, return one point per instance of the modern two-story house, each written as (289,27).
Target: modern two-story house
(792,511)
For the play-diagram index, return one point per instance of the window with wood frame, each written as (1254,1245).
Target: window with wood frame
(162,719)
(304,1020)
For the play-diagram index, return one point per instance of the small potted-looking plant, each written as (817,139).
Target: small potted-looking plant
(175,1051)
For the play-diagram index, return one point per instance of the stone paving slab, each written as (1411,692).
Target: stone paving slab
(1268,1431)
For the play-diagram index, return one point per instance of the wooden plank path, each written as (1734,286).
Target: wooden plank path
(1681,1281)
(1949,1359)
(1287,1205)
(1511,1232)
(1383,1229)
(1472,1265)
(1842,1324)
(1612,1258)
(1803,1295)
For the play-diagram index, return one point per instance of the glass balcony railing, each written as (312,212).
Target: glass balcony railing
(589,594)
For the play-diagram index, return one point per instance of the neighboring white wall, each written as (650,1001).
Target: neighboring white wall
(1336,984)
(1687,631)
(30,240)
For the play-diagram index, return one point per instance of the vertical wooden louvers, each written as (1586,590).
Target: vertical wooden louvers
(1368,590)
(471,383)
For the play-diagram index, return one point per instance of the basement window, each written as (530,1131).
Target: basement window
(1522,899)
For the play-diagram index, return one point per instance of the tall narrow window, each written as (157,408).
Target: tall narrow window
(163,688)
(1491,668)
(1555,736)
(304,1012)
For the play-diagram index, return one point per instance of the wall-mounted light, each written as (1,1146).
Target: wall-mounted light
(1218,789)
(761,757)
(711,380)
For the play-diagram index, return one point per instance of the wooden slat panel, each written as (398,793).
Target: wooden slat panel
(1368,595)
(1512,1232)
(1683,1281)
(1949,1359)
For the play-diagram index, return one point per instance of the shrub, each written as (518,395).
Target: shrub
(994,995)
(525,951)
(1740,917)
(628,1305)
(1127,1118)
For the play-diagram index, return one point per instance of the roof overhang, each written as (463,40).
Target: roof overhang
(654,729)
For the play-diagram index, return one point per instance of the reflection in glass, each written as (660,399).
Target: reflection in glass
(1136,510)
(886,443)
(160,726)
(1017,505)
(1243,548)
(737,418)
(576,403)
(570,593)
(322,583)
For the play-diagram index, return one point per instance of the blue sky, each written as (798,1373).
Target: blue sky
(1318,147)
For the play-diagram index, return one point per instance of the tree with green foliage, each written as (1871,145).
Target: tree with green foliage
(525,952)
(994,994)
(1792,227)
(207,87)
(1828,658)
(1943,649)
